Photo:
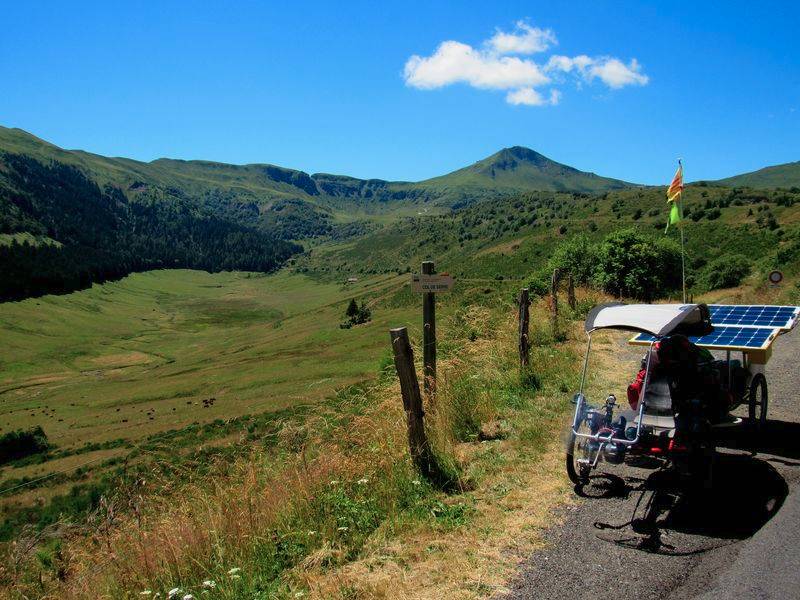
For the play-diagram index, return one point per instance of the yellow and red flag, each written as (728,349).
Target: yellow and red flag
(674,197)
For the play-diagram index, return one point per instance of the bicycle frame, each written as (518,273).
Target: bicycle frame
(608,438)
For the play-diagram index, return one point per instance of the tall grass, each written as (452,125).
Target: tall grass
(334,486)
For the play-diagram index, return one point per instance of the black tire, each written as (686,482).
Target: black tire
(758,400)
(575,473)
(578,474)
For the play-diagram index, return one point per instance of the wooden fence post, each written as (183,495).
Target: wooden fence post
(524,322)
(429,335)
(412,404)
(554,302)
(571,292)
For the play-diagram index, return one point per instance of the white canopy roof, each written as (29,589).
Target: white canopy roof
(655,319)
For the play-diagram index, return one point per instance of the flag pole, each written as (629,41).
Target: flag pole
(683,241)
(683,263)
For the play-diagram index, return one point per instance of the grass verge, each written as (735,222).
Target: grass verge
(334,508)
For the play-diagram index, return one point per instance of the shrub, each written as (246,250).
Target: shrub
(356,315)
(539,284)
(22,443)
(632,264)
(577,256)
(726,271)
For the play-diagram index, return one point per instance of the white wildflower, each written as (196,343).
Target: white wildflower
(234,571)
(188,597)
(363,481)
(173,593)
(342,528)
(299,594)
(209,584)
(417,482)
(334,482)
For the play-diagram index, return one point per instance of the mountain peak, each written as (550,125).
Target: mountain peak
(521,153)
(518,168)
(511,158)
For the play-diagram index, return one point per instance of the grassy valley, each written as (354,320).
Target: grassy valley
(286,434)
(105,369)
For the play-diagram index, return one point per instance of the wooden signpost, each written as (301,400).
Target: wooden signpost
(571,292)
(418,445)
(412,402)
(554,301)
(429,283)
(524,323)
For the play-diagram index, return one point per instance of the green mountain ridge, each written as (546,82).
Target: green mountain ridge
(786,175)
(511,169)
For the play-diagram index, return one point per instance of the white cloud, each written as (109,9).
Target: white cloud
(611,71)
(567,64)
(530,97)
(524,40)
(616,74)
(494,66)
(454,62)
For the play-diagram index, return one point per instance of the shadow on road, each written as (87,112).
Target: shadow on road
(745,493)
(776,438)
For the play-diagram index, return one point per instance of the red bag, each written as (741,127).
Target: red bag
(635,390)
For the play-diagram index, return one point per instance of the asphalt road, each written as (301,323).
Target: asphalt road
(638,534)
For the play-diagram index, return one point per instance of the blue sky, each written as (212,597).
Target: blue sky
(325,86)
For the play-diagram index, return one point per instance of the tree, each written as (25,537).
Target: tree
(352,309)
(632,264)
(364,313)
(356,315)
(726,271)
(576,256)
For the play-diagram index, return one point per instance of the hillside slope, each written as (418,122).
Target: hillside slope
(508,238)
(786,176)
(83,234)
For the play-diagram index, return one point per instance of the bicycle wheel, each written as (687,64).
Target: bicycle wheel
(580,455)
(758,400)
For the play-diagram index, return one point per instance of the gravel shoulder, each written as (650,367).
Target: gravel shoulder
(638,535)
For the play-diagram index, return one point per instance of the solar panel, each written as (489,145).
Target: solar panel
(727,338)
(784,317)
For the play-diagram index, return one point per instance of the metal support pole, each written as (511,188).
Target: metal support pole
(683,263)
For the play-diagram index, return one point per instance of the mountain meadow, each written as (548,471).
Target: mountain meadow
(197,388)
